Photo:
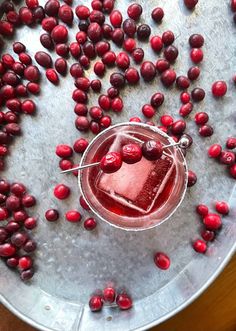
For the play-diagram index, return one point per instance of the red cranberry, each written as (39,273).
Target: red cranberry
(26,15)
(97,16)
(143,31)
(117,105)
(148,111)
(94,32)
(132,76)
(30,246)
(13,129)
(66,14)
(214,151)
(182,82)
(129,44)
(123,301)
(104,102)
(129,27)
(108,6)
(111,162)
(178,127)
(13,262)
(12,227)
(3,150)
(76,70)
(18,47)
(7,250)
(186,109)
(168,38)
(32,73)
(96,85)
(49,23)
(148,71)
(122,60)
(201,118)
(61,66)
(196,41)
(13,203)
(75,49)
(31,4)
(82,123)
(79,96)
(109,294)
(212,222)
(6,28)
(83,203)
(196,55)
(231,143)
(134,11)
(28,107)
(61,191)
(190,4)
(25,58)
(222,207)
(131,153)
(185,97)
(171,53)
(206,130)
(43,59)
(8,61)
(232,171)
(62,50)
(168,77)
(18,68)
(3,235)
(162,65)
(30,223)
(7,92)
(227,157)
(94,127)
(64,151)
(107,31)
(96,5)
(152,150)
(138,55)
(135,119)
(102,47)
(202,210)
(192,178)
(219,89)
(198,94)
(10,78)
(118,36)
(25,262)
(73,216)
(99,69)
(59,34)
(95,303)
(81,109)
(80,145)
(82,83)
(90,224)
(81,37)
(156,43)
(117,80)
(65,164)
(82,12)
(105,121)
(166,120)
(162,261)
(109,58)
(96,113)
(20,216)
(200,246)
(52,215)
(28,201)
(4,186)
(157,14)
(116,18)
(18,189)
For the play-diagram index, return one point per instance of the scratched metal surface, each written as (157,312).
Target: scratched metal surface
(72,262)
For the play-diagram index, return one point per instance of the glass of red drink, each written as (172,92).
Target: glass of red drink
(138,196)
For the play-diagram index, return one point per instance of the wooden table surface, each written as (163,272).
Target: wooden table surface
(215,310)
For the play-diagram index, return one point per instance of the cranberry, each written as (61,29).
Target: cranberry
(13,129)
(7,92)
(28,107)
(39,14)
(148,71)
(13,203)
(96,85)
(192,178)
(168,77)
(196,40)
(222,207)
(102,47)
(166,120)
(186,109)
(52,215)
(31,4)
(117,105)
(75,49)
(157,14)
(83,25)
(202,210)
(65,164)
(18,189)
(3,235)
(62,50)
(18,47)
(3,150)
(131,153)
(152,150)
(49,23)
(4,186)
(178,127)
(104,102)
(129,27)
(138,55)
(99,69)
(135,119)
(168,38)
(109,58)
(193,73)
(43,59)
(111,162)
(113,92)
(80,145)
(182,82)
(90,224)
(12,227)
(26,15)
(232,170)
(18,68)
(82,12)
(82,83)
(134,11)
(171,53)
(212,222)
(79,96)
(208,235)
(8,61)
(61,191)
(61,66)
(94,32)
(27,274)
(196,55)
(28,201)
(206,130)
(108,6)
(117,80)
(123,301)
(214,151)
(76,70)
(231,143)
(143,31)
(7,6)
(30,223)
(132,76)
(201,118)
(162,261)
(97,16)
(198,94)
(190,4)
(116,18)
(81,109)
(13,262)
(32,73)
(129,44)
(185,97)
(200,246)
(94,127)
(227,157)
(219,89)
(105,121)
(107,31)
(59,34)
(118,36)
(46,41)
(162,65)
(25,262)
(64,151)
(109,294)
(156,43)
(66,14)
(96,113)
(95,303)
(30,246)
(52,7)
(20,216)
(81,37)
(82,123)
(73,216)
(157,100)
(122,60)
(7,250)
(148,111)
(83,203)
(96,5)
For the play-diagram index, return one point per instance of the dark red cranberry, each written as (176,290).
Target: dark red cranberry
(113,92)
(168,38)
(10,78)
(66,14)
(31,4)
(156,43)
(49,23)
(109,294)
(43,59)
(18,239)
(7,92)
(227,158)
(102,47)
(232,171)
(96,85)
(18,189)
(131,153)
(76,70)
(4,186)
(132,75)
(7,6)
(13,18)
(208,235)
(214,151)
(157,14)
(13,262)
(219,89)
(162,261)
(134,11)
(212,222)
(90,224)
(95,303)
(99,69)
(111,162)
(192,178)
(28,200)
(62,50)
(171,53)
(193,73)
(122,60)
(82,123)
(3,235)
(168,77)
(97,16)
(12,227)
(206,130)
(162,65)
(30,223)
(148,71)
(201,118)
(7,250)
(11,117)
(116,18)
(39,14)
(152,150)
(8,61)
(52,7)
(231,143)
(96,113)
(108,6)
(13,203)
(199,245)
(222,207)
(94,32)
(143,31)
(202,210)
(186,109)
(61,66)
(30,246)
(182,82)
(109,58)
(27,274)
(83,25)
(18,47)
(129,27)
(117,80)
(94,127)
(82,83)
(196,55)
(52,215)
(79,96)
(32,74)
(46,41)
(190,4)
(124,301)
(107,31)
(75,49)
(198,94)
(83,203)
(118,36)
(138,55)
(196,41)
(157,99)
(18,68)
(129,45)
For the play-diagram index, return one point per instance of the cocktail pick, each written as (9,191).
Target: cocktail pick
(184,143)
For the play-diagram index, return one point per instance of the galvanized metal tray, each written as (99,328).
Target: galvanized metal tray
(72,262)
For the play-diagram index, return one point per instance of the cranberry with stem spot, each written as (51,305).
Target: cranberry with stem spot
(137,55)
(143,31)
(51,215)
(208,235)
(90,224)
(227,157)
(27,274)
(152,150)
(111,162)
(82,123)
(131,153)
(162,261)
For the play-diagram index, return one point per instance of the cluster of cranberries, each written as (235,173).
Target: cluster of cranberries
(15,242)
(212,223)
(111,298)
(226,157)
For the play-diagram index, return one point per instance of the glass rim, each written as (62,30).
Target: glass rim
(154,129)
